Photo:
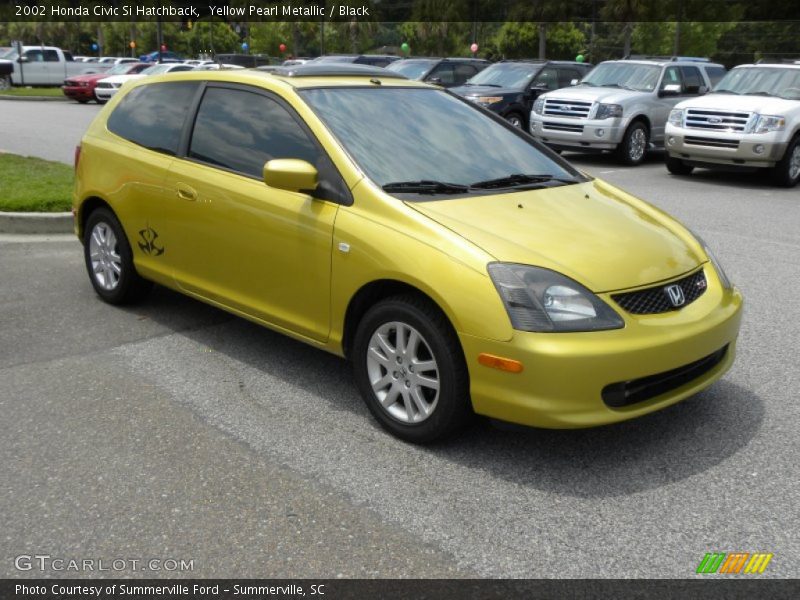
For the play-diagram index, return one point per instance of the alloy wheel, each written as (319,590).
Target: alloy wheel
(104,255)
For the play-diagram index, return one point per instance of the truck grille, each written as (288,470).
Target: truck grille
(563,127)
(717,120)
(104,85)
(567,108)
(656,300)
(714,143)
(625,393)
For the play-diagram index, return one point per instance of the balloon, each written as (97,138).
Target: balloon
(245,46)
(163,47)
(132,45)
(95,47)
(282,47)
(405,47)
(580,58)
(473,48)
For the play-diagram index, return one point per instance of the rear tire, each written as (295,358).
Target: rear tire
(516,120)
(109,260)
(633,147)
(410,369)
(677,167)
(787,172)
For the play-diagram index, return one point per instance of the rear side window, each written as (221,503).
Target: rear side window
(50,56)
(153,115)
(241,130)
(691,80)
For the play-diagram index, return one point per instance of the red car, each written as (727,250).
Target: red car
(81,87)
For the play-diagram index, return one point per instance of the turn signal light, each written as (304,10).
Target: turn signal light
(498,362)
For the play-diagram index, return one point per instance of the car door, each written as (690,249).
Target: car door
(665,101)
(258,250)
(34,69)
(56,70)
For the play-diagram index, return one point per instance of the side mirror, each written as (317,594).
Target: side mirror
(435,80)
(574,82)
(540,84)
(702,90)
(291,174)
(672,89)
(22,59)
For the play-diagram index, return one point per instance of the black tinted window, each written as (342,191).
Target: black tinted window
(50,56)
(153,115)
(691,80)
(242,130)
(715,74)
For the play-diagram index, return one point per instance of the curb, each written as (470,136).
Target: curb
(34,98)
(30,222)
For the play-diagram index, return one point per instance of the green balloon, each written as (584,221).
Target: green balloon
(404,47)
(580,58)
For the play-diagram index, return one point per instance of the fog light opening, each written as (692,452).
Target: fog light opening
(600,132)
(758,148)
(671,141)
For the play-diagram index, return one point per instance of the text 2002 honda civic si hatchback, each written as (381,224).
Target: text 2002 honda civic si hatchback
(458,264)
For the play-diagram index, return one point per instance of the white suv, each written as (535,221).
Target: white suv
(621,105)
(751,119)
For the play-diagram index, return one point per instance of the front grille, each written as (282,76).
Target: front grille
(714,143)
(657,300)
(567,108)
(104,85)
(717,120)
(625,393)
(562,127)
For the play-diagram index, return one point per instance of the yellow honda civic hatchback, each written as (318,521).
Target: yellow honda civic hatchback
(459,265)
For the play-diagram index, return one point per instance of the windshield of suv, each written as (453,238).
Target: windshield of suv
(762,81)
(431,142)
(413,69)
(631,76)
(506,75)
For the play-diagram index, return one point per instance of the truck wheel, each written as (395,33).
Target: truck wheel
(410,369)
(5,82)
(787,172)
(677,167)
(516,120)
(633,147)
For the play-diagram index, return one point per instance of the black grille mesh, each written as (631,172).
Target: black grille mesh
(655,300)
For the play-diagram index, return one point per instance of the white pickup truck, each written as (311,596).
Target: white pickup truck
(41,65)
(751,120)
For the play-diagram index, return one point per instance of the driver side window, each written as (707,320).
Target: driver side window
(547,79)
(672,76)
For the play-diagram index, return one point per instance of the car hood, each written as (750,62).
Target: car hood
(760,104)
(482,90)
(121,78)
(592,232)
(90,77)
(596,94)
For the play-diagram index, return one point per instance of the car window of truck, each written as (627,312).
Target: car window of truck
(50,56)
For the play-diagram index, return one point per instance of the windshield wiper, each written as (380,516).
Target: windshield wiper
(425,186)
(517,180)
(488,84)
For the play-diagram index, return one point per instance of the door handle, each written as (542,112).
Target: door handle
(185,192)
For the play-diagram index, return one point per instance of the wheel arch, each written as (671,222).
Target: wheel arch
(370,294)
(86,208)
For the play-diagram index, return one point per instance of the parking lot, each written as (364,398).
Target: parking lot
(174,430)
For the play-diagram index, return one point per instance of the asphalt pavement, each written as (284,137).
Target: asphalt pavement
(174,430)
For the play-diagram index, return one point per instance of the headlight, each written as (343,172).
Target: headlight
(487,100)
(542,300)
(608,111)
(767,123)
(676,117)
(538,106)
(723,278)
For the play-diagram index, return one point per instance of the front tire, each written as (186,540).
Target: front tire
(516,120)
(410,369)
(633,147)
(109,260)
(787,172)
(677,167)
(5,82)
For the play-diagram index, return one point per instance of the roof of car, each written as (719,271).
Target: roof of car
(795,65)
(336,70)
(447,59)
(672,61)
(540,61)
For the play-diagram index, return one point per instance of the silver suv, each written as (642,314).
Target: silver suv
(621,105)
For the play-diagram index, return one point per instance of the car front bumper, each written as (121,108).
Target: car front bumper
(78,93)
(564,374)
(105,93)
(720,148)
(586,134)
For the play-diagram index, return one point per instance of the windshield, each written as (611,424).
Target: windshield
(413,69)
(642,78)
(156,69)
(506,75)
(430,136)
(8,54)
(762,81)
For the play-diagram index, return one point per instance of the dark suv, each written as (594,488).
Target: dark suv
(510,87)
(446,72)
(374,60)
